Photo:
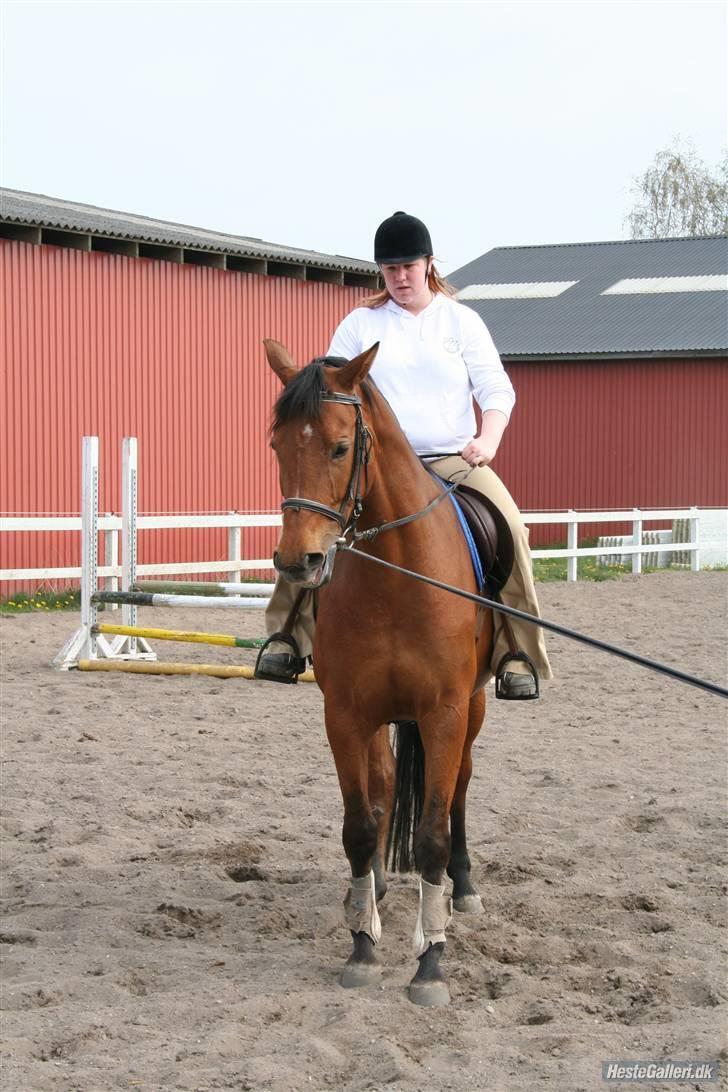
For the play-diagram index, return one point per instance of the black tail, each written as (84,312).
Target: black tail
(409,795)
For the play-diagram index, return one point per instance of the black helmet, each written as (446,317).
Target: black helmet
(401,238)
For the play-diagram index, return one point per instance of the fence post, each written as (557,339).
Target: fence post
(695,537)
(637,540)
(234,554)
(572,563)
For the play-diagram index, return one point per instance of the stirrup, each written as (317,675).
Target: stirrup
(292,664)
(501,686)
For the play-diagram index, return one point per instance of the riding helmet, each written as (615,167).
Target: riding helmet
(401,238)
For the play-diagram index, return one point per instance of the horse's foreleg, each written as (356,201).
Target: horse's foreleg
(381,792)
(350,747)
(443,737)
(465,897)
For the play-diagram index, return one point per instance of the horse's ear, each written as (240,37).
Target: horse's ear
(357,369)
(280,360)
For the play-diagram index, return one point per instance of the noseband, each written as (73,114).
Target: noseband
(362,447)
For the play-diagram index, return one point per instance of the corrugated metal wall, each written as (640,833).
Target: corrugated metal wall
(100,344)
(106,345)
(602,434)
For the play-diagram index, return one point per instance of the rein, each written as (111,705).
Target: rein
(362,449)
(564,631)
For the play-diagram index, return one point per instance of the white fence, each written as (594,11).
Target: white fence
(111,527)
(233,566)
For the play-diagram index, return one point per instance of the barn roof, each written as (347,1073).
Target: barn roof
(631,298)
(20,209)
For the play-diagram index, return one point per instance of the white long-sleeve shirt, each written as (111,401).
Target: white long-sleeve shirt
(429,367)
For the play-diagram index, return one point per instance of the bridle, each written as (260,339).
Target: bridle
(355,488)
(354,491)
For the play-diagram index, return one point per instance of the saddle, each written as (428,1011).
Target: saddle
(491,535)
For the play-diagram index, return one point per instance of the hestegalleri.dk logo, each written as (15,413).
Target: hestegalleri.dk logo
(618,1070)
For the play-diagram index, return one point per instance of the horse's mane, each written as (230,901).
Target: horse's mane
(302,397)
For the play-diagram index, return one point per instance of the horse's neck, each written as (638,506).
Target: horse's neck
(401,485)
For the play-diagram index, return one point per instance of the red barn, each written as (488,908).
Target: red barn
(114,324)
(619,356)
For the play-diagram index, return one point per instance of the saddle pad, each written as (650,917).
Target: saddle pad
(474,555)
(489,539)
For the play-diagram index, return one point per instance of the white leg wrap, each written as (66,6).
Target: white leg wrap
(360,905)
(434,916)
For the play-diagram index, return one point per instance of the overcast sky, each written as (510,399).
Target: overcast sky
(307,123)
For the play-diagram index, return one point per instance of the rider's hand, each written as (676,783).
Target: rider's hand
(479,451)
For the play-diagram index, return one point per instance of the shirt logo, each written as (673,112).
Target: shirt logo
(450,344)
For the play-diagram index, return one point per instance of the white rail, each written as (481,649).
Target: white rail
(110,527)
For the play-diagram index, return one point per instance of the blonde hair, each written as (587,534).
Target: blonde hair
(435,283)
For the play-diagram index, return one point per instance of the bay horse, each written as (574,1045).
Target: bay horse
(387,649)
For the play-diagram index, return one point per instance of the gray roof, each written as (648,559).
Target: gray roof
(582,321)
(19,207)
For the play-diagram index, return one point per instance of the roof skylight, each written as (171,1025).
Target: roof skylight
(531,290)
(638,286)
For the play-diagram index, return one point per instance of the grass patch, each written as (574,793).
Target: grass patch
(551,569)
(41,600)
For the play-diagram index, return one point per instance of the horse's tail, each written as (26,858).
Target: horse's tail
(409,795)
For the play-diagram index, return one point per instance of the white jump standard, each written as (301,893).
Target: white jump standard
(90,644)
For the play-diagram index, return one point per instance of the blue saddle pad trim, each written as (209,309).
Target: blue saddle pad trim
(474,556)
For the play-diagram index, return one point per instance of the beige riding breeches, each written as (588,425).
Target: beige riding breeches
(519,590)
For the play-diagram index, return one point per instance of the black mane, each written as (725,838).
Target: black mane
(302,397)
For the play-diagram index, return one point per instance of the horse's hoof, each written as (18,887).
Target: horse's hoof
(468,904)
(356,975)
(429,994)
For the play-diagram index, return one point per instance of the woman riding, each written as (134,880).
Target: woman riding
(435,355)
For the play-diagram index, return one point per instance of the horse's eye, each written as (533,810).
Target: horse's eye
(339,451)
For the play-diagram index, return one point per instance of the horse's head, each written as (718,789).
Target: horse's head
(322,444)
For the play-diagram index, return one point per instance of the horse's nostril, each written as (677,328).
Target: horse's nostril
(314,560)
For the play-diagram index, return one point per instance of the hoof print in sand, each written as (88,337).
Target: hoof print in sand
(176,922)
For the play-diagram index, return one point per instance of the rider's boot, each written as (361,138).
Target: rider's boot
(516,678)
(280,660)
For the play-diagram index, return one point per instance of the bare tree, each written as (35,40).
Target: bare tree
(678,195)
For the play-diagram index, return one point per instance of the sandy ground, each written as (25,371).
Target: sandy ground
(173,873)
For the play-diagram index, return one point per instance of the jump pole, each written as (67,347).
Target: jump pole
(218,671)
(200,587)
(148,599)
(181,635)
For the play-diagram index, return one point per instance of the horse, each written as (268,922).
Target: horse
(387,650)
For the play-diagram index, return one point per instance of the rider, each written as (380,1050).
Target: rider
(434,356)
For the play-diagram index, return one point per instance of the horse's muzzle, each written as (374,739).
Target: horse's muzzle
(310,571)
